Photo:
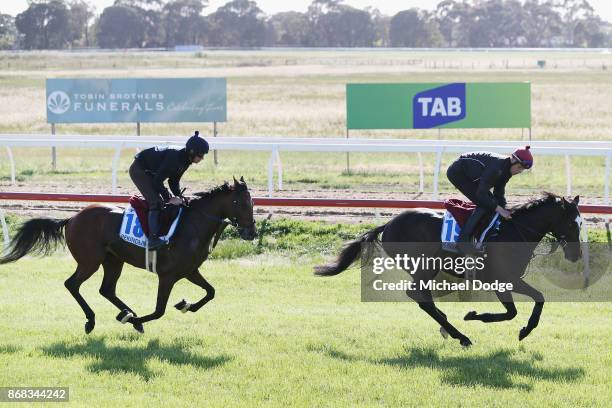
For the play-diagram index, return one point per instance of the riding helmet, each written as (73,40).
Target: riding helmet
(524,157)
(196,145)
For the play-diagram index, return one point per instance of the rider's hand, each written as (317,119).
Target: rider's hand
(176,201)
(503,212)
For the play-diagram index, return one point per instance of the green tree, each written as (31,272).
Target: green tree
(8,32)
(496,23)
(414,28)
(589,32)
(184,23)
(44,25)
(453,20)
(542,24)
(289,28)
(150,12)
(155,5)
(336,25)
(238,23)
(381,24)
(120,27)
(81,14)
(581,26)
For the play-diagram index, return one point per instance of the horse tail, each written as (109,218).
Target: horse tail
(39,236)
(349,254)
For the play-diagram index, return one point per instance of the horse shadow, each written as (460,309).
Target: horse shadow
(127,358)
(497,370)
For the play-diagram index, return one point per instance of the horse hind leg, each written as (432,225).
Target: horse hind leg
(112,272)
(425,302)
(73,283)
(506,299)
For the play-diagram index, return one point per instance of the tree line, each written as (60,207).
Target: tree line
(60,24)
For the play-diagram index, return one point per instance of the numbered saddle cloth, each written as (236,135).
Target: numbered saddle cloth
(135,226)
(456,214)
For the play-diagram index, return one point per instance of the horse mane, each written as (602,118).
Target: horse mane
(223,188)
(547,197)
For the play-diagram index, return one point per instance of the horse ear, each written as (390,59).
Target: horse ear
(576,199)
(235,181)
(242,179)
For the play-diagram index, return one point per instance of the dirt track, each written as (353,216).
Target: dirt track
(352,215)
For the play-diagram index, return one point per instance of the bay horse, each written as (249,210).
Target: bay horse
(550,215)
(92,236)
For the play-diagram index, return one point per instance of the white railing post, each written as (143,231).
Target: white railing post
(568,174)
(12,161)
(421,173)
(279,168)
(115,166)
(436,180)
(5,233)
(607,178)
(607,187)
(271,170)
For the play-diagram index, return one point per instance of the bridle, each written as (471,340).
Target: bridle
(561,239)
(233,221)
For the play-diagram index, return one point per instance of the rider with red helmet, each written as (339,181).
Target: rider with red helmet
(475,174)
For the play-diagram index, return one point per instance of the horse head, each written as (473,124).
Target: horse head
(566,229)
(558,217)
(240,210)
(229,201)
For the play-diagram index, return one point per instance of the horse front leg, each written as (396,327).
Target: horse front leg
(520,286)
(197,279)
(166,283)
(506,299)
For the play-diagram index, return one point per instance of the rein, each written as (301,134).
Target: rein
(232,220)
(224,223)
(560,240)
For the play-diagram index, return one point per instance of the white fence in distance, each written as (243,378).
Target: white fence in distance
(276,145)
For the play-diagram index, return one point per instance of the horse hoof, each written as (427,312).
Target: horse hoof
(444,333)
(465,343)
(124,316)
(523,333)
(89,326)
(139,328)
(470,315)
(180,305)
(183,306)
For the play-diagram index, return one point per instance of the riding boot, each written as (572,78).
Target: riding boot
(154,241)
(464,241)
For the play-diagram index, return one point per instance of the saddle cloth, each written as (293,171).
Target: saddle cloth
(135,224)
(456,214)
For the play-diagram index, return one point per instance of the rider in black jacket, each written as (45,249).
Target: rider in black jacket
(151,167)
(475,174)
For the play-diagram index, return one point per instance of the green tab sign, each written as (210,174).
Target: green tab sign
(434,105)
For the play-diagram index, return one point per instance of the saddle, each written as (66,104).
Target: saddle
(166,215)
(461,210)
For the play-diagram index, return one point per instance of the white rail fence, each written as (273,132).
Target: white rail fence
(276,145)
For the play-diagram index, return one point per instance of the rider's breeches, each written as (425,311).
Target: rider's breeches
(144,182)
(457,176)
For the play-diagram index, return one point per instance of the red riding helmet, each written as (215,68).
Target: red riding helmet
(524,157)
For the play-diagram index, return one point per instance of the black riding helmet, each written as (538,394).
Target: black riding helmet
(196,146)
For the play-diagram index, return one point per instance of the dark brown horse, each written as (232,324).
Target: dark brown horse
(92,237)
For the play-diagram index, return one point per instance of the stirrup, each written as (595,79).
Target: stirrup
(470,248)
(451,247)
(158,244)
